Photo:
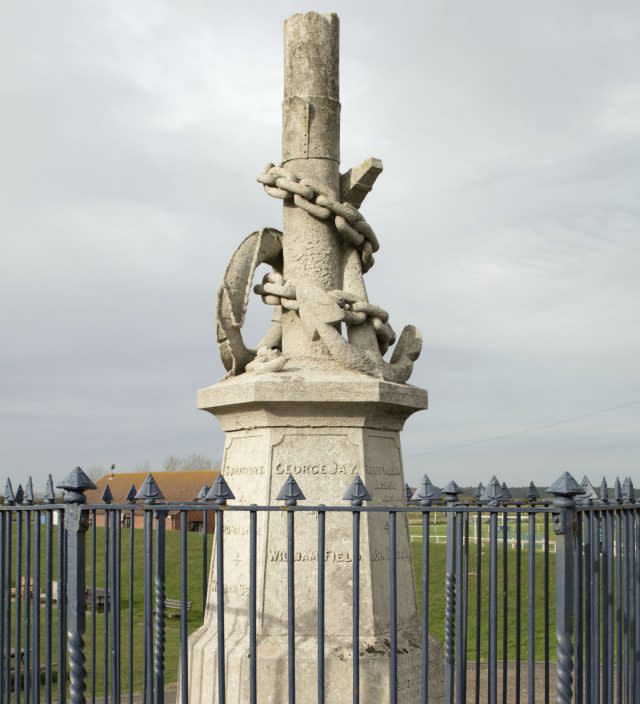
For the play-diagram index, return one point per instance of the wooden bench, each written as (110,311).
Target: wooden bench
(173,607)
(102,598)
(12,668)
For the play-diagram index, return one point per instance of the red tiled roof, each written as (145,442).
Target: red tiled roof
(176,486)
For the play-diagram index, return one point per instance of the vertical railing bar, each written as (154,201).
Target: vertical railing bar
(355,607)
(148,604)
(547,576)
(3,516)
(595,561)
(160,593)
(627,605)
(7,633)
(606,625)
(619,600)
(505,605)
(220,604)
(531,608)
(118,586)
(636,608)
(94,582)
(132,518)
(610,519)
(579,612)
(321,603)
(113,603)
(253,578)
(27,607)
(107,604)
(393,609)
(291,609)
(17,680)
(76,525)
(518,649)
(460,673)
(465,606)
(425,609)
(184,626)
(478,603)
(48,598)
(630,604)
(587,533)
(449,609)
(564,491)
(493,608)
(36,607)
(205,561)
(62,606)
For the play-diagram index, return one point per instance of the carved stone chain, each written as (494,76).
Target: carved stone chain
(275,291)
(317,200)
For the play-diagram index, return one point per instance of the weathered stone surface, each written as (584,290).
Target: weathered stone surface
(324,432)
(311,147)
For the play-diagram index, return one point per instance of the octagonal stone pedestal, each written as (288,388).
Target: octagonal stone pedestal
(323,428)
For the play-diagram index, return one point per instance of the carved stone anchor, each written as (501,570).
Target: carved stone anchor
(261,247)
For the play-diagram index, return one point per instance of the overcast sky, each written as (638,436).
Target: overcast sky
(508,211)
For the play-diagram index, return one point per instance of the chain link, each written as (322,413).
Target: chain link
(275,291)
(317,200)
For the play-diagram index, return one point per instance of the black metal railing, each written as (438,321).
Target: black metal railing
(532,599)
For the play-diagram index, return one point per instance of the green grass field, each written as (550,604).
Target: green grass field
(194,575)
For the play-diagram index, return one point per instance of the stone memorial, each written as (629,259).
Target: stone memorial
(316,401)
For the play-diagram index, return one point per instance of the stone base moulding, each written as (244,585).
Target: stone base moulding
(324,429)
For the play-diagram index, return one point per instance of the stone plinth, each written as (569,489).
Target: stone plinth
(323,429)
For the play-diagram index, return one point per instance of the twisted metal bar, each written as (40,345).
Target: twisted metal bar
(77,668)
(159,642)
(564,686)
(449,619)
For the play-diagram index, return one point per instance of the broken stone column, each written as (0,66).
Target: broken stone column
(315,406)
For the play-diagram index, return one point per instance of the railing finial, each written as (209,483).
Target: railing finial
(479,492)
(408,492)
(493,492)
(604,491)
(74,486)
(107,496)
(49,492)
(28,498)
(357,492)
(19,494)
(290,492)
(506,494)
(451,492)
(131,494)
(628,492)
(565,486)
(202,494)
(426,493)
(533,494)
(589,494)
(220,491)
(617,491)
(9,495)
(149,491)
